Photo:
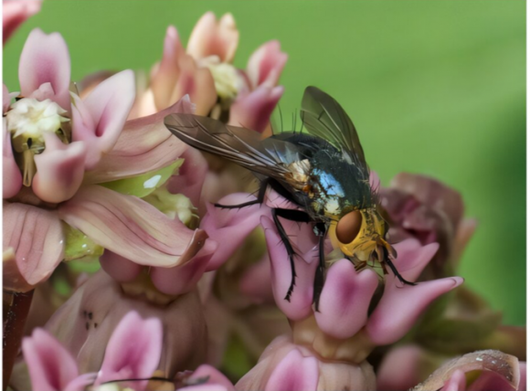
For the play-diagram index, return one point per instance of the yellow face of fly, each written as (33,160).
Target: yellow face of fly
(368,244)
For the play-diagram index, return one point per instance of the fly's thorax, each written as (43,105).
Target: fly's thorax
(360,234)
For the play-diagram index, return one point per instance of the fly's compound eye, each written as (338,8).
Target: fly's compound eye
(349,226)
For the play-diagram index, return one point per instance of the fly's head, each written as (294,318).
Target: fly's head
(360,234)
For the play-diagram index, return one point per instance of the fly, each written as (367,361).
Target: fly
(323,171)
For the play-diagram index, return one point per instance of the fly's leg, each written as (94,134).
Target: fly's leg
(259,200)
(318,283)
(293,215)
(394,270)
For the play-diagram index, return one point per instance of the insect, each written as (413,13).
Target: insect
(323,171)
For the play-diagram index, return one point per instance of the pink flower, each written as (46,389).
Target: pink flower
(429,211)
(205,71)
(290,367)
(133,352)
(88,324)
(15,12)
(340,315)
(67,146)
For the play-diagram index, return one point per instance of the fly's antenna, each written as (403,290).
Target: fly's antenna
(302,113)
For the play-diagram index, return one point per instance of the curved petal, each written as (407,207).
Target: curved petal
(45,59)
(230,227)
(191,176)
(51,367)
(133,351)
(299,305)
(214,377)
(144,145)
(412,258)
(400,306)
(165,76)
(131,227)
(118,267)
(266,64)
(457,382)
(293,373)
(36,236)
(60,170)
(491,361)
(345,299)
(183,279)
(108,105)
(12,177)
(15,12)
(196,82)
(212,38)
(254,110)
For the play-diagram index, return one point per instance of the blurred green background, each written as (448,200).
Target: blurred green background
(434,87)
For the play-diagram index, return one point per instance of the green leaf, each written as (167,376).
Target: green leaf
(143,185)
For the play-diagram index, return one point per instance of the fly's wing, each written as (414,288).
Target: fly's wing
(242,146)
(323,117)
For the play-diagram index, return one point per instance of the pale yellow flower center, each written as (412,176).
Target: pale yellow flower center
(228,81)
(31,118)
(28,120)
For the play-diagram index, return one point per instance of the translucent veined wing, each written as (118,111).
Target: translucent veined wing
(269,157)
(323,117)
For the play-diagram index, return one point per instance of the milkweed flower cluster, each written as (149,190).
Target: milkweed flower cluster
(108,221)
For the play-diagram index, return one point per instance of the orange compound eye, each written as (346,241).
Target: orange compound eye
(349,226)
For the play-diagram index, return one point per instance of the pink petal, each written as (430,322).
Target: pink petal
(108,106)
(400,306)
(118,267)
(487,381)
(133,351)
(131,227)
(266,64)
(60,170)
(294,373)
(256,282)
(301,299)
(212,38)
(400,368)
(183,279)
(213,375)
(230,227)
(144,145)
(36,236)
(45,59)
(457,382)
(412,258)
(253,111)
(15,12)
(165,76)
(190,177)
(51,366)
(12,177)
(345,298)
(196,82)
